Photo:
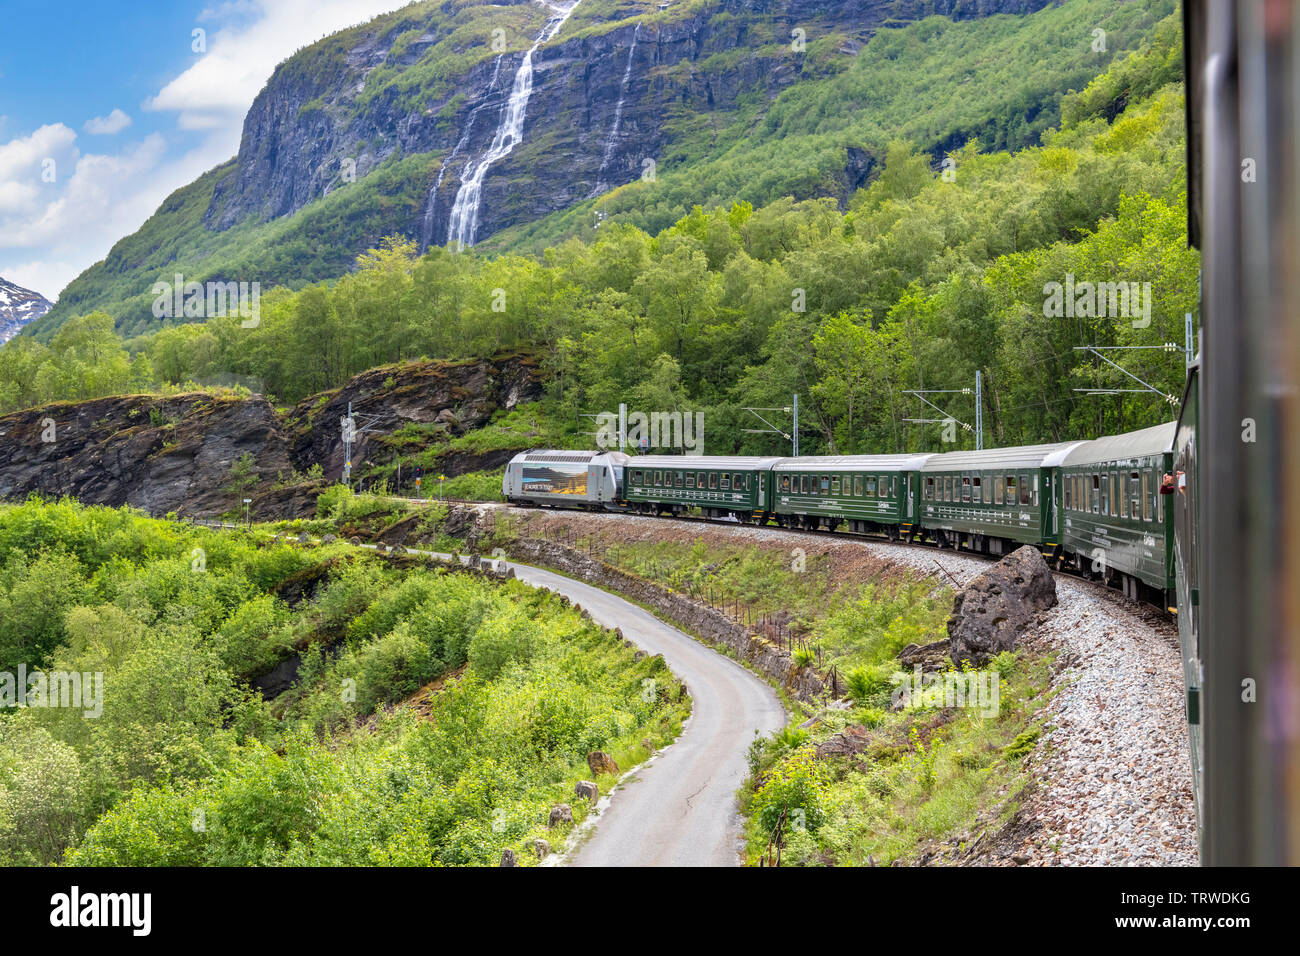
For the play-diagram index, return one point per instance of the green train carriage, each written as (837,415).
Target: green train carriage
(1117,523)
(995,500)
(864,492)
(720,487)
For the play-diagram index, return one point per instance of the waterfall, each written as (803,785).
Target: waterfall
(618,118)
(510,133)
(431,207)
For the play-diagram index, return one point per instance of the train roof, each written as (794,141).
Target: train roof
(865,463)
(1020,456)
(721,462)
(559,455)
(1139,444)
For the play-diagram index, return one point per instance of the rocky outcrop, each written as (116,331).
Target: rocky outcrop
(448,398)
(160,454)
(993,611)
(200,455)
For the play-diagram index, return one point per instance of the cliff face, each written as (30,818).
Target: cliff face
(179,453)
(604,100)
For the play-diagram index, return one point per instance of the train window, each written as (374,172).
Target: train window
(1067,493)
(690,479)
(882,487)
(1146,497)
(636,477)
(947,488)
(999,489)
(988,489)
(1025,495)
(678,480)
(893,486)
(725,482)
(826,484)
(857,486)
(1117,486)
(1156,504)
(713,479)
(929,489)
(835,485)
(1033,500)
(1011,490)
(1134,495)
(965,488)
(977,489)
(784,484)
(659,478)
(1105,494)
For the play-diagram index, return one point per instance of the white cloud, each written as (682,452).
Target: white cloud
(114,122)
(61,228)
(215,93)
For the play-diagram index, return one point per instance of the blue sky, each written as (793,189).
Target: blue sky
(106,107)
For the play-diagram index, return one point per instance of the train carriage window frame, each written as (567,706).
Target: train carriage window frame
(636,477)
(835,485)
(724,482)
(965,489)
(999,489)
(1094,495)
(1026,493)
(713,481)
(678,480)
(659,479)
(977,490)
(871,486)
(785,484)
(1033,499)
(929,488)
(1066,494)
(825,484)
(1105,494)
(690,479)
(857,486)
(1013,491)
(1134,496)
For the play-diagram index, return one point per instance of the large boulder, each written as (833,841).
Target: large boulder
(994,610)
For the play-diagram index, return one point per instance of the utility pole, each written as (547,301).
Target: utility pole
(979,412)
(774,430)
(1096,350)
(979,417)
(350,431)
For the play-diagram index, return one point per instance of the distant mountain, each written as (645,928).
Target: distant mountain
(18,307)
(516,124)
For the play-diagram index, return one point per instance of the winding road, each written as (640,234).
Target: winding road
(680,809)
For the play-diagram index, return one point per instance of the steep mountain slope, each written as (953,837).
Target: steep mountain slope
(18,308)
(414,124)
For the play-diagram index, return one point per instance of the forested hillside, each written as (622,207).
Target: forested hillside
(928,276)
(638,113)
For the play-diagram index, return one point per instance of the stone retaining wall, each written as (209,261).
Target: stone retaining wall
(692,617)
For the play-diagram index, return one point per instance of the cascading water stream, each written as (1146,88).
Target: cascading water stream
(431,206)
(463,224)
(612,141)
